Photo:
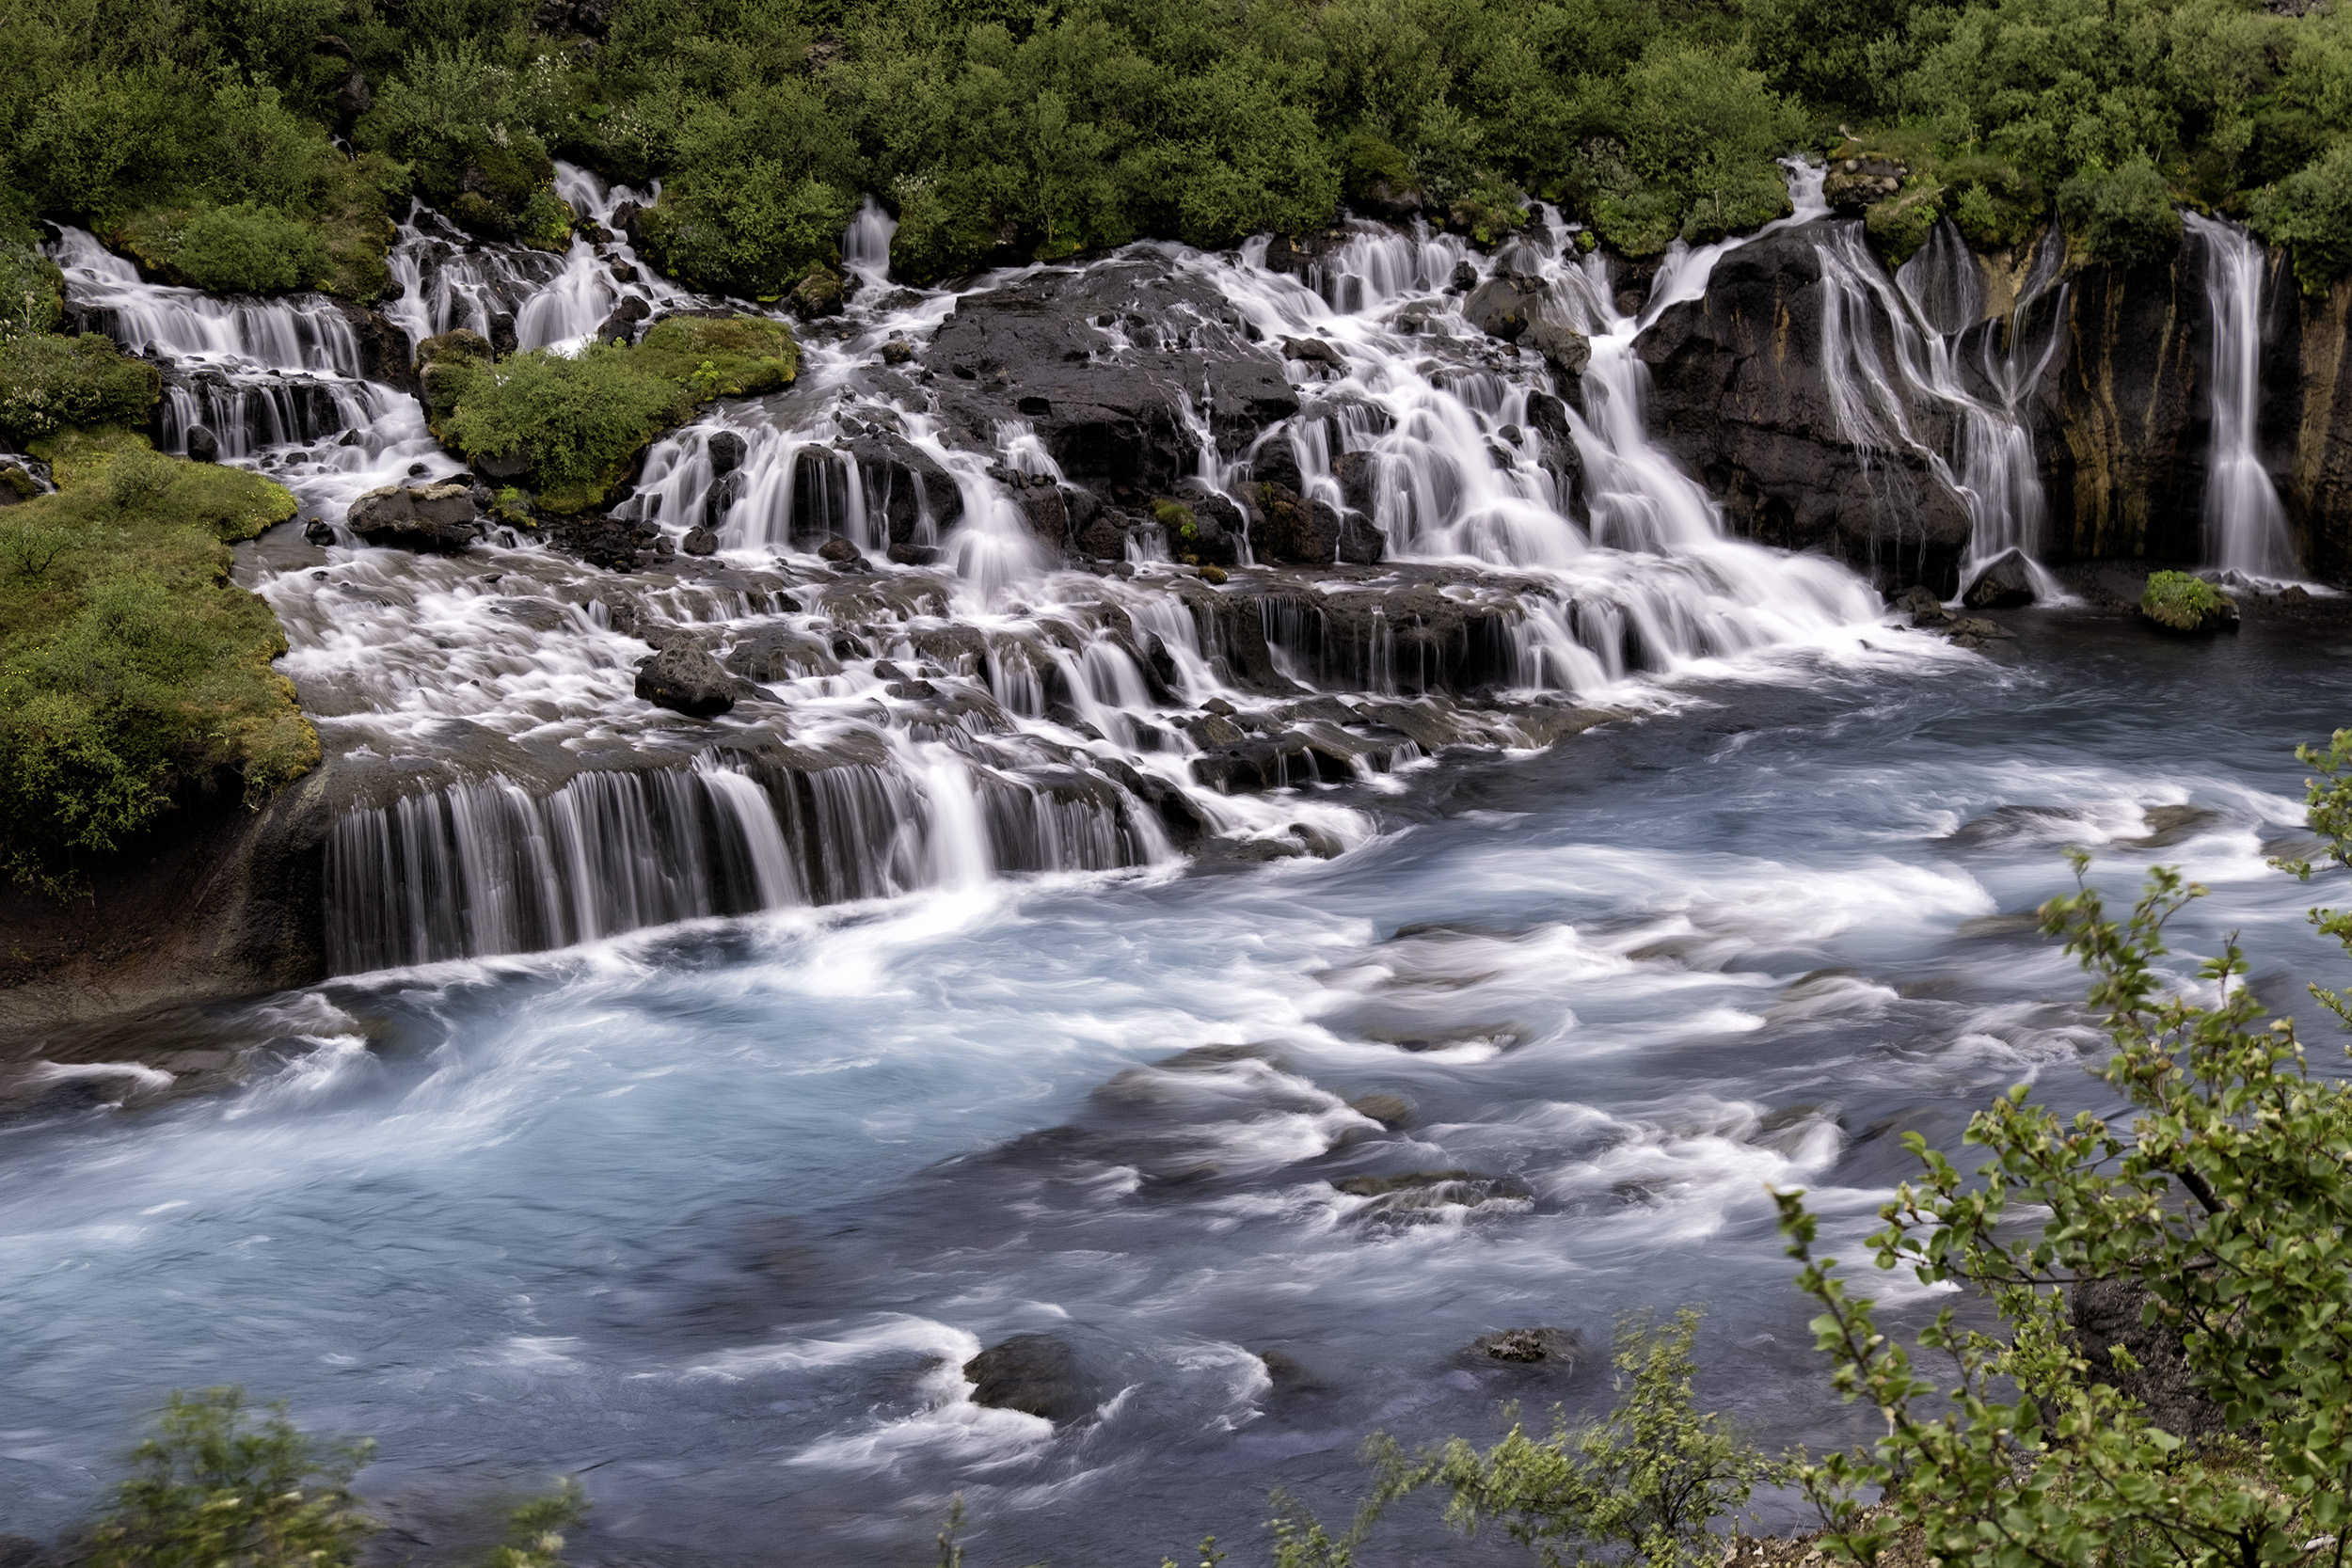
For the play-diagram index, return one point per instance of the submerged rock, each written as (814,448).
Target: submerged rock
(1557,1349)
(2006,583)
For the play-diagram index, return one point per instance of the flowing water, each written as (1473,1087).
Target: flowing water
(2246,527)
(714,1213)
(747,1077)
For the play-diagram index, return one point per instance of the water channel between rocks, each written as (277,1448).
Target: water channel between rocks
(712,1213)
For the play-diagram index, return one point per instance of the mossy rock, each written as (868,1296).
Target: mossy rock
(1899,226)
(2178,602)
(50,384)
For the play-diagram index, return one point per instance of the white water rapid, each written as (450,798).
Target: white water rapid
(2246,527)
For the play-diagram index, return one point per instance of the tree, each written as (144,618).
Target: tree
(2227,1201)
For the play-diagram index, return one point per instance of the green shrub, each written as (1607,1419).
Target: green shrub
(32,291)
(2124,215)
(218,1485)
(2227,1201)
(583,419)
(49,382)
(749,232)
(2183,602)
(1646,1483)
(1899,225)
(2310,212)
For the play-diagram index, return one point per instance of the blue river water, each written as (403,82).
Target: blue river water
(712,1215)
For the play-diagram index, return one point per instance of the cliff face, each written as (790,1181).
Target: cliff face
(2115,396)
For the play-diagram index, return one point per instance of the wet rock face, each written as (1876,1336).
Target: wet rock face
(2004,584)
(1102,365)
(1738,394)
(2106,1313)
(436,519)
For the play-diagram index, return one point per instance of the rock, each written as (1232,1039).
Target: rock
(1464,277)
(352,97)
(621,326)
(1392,1111)
(624,217)
(1923,607)
(504,469)
(701,541)
(1284,1371)
(1852,185)
(1974,631)
(818,295)
(2005,583)
(838,550)
(2170,825)
(1559,1349)
(897,351)
(203,445)
(1034,1373)
(318,531)
(913,555)
(385,352)
(1315,351)
(1564,348)
(435,519)
(16,485)
(502,339)
(726,451)
(684,678)
(2109,1312)
(1503,306)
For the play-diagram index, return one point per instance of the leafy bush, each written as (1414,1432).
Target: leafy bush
(32,291)
(129,664)
(2228,1202)
(1900,225)
(2183,602)
(2310,212)
(749,232)
(49,382)
(218,1485)
(1650,1479)
(246,249)
(581,420)
(2125,215)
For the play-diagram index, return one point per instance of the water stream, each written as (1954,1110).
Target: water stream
(2246,527)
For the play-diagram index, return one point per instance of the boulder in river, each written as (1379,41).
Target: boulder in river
(1034,1373)
(2006,583)
(203,445)
(684,678)
(433,519)
(1555,1349)
(727,451)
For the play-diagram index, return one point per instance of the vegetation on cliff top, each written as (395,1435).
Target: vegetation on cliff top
(197,138)
(131,669)
(577,421)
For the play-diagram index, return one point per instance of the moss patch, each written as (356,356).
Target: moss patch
(579,423)
(130,668)
(2183,603)
(49,382)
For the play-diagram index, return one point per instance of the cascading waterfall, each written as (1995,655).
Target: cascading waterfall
(989,715)
(2246,527)
(1891,353)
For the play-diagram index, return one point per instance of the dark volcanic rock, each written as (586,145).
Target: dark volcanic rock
(2004,584)
(1034,1373)
(1737,393)
(386,354)
(1555,1349)
(203,445)
(435,519)
(686,679)
(727,451)
(2107,1313)
(1111,417)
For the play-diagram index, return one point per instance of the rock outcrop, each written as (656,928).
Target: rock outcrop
(435,519)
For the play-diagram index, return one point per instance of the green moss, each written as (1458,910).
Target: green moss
(1899,225)
(1177,518)
(49,382)
(2181,602)
(582,420)
(130,666)
(546,222)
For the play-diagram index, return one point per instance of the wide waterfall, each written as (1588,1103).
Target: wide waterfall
(2246,527)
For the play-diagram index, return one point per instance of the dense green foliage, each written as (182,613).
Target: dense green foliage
(2227,1200)
(48,383)
(130,666)
(2181,600)
(1645,1483)
(581,420)
(196,138)
(220,1486)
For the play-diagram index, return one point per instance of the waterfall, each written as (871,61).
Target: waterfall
(1891,355)
(2246,527)
(865,243)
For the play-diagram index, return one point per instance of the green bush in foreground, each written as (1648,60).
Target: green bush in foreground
(130,666)
(582,419)
(2181,601)
(221,1485)
(2228,1200)
(1645,1483)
